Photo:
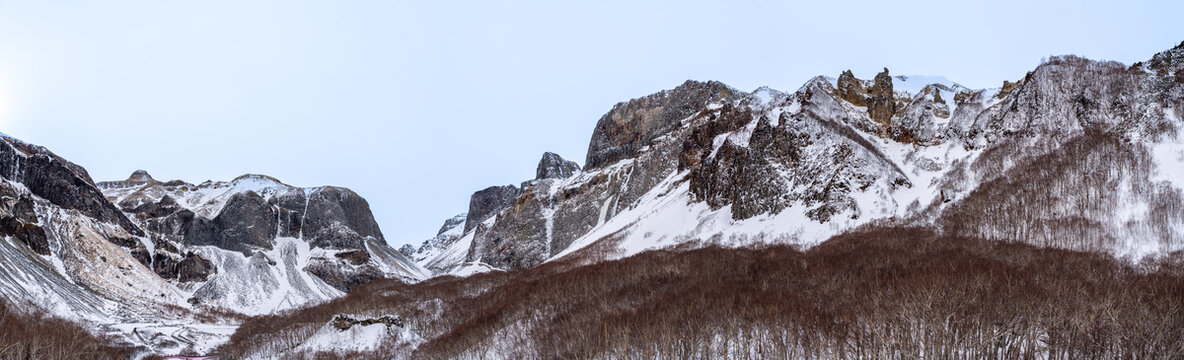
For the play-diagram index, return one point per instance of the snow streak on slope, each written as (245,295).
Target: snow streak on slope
(265,282)
(395,264)
(448,258)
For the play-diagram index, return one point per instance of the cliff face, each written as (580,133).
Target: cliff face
(632,125)
(205,233)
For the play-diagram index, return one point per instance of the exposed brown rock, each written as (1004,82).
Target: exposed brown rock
(963,96)
(1006,89)
(881,101)
(355,257)
(851,89)
(697,146)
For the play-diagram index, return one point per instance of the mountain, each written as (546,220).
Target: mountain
(151,256)
(705,163)
(280,246)
(898,216)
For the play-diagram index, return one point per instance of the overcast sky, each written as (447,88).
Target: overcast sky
(415,105)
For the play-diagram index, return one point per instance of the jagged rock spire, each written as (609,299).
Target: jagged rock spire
(881,102)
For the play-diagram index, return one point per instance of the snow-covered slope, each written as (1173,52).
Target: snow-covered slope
(171,264)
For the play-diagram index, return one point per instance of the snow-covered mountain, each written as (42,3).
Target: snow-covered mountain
(256,245)
(1076,154)
(141,254)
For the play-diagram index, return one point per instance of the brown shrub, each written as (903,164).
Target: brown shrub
(36,335)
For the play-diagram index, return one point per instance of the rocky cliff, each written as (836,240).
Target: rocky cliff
(327,232)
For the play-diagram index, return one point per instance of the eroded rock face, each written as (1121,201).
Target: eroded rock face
(545,220)
(489,201)
(190,268)
(337,218)
(340,274)
(61,182)
(1068,95)
(18,219)
(881,101)
(744,177)
(291,206)
(632,125)
(248,215)
(246,222)
(519,238)
(851,89)
(552,166)
(355,257)
(696,147)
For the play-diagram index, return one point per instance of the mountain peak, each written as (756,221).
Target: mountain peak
(553,166)
(630,125)
(140,175)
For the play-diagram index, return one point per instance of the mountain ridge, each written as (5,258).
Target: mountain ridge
(737,150)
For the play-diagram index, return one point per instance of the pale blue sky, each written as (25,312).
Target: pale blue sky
(415,105)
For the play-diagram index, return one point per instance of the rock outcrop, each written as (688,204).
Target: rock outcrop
(552,166)
(337,218)
(18,219)
(489,201)
(881,100)
(632,125)
(851,89)
(247,222)
(61,182)
(190,268)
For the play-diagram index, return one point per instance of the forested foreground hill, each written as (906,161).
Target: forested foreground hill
(872,294)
